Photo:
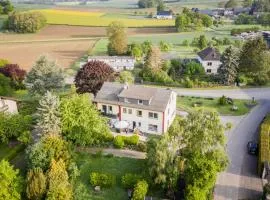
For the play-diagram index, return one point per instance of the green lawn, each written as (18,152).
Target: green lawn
(114,165)
(211,104)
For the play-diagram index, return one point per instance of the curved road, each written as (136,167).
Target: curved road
(240,180)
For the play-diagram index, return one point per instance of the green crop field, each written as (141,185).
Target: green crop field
(97,19)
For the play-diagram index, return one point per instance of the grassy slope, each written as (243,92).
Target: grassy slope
(115,166)
(208,104)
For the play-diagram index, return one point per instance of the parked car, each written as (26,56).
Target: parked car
(252,148)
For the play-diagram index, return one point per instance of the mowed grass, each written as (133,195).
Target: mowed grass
(174,39)
(113,165)
(97,19)
(191,104)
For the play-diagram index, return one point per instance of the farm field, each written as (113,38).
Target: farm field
(75,32)
(69,17)
(25,53)
(190,104)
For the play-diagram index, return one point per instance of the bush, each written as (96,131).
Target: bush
(26,22)
(222,101)
(130,180)
(140,190)
(119,142)
(142,147)
(5,86)
(131,140)
(16,75)
(102,180)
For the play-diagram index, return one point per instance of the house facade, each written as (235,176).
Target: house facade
(8,105)
(164,15)
(210,60)
(151,110)
(118,63)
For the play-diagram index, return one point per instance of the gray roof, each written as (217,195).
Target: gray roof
(209,53)
(110,93)
(110,57)
(164,13)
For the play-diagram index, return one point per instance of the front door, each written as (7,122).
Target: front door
(134,125)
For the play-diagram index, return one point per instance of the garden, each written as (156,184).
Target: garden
(191,104)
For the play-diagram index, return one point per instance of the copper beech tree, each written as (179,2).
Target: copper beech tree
(92,75)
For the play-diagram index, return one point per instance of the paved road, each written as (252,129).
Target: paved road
(240,180)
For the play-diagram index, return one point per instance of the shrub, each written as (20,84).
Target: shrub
(26,22)
(131,140)
(3,62)
(5,88)
(140,190)
(119,142)
(15,73)
(222,101)
(142,147)
(130,180)
(102,179)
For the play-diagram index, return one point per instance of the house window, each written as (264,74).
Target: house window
(139,124)
(124,110)
(130,111)
(208,70)
(209,64)
(140,102)
(110,108)
(139,113)
(153,115)
(104,108)
(152,127)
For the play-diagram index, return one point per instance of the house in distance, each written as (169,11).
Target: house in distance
(151,110)
(118,63)
(164,15)
(210,59)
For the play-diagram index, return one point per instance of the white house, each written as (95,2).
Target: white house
(151,110)
(210,60)
(164,15)
(8,105)
(118,63)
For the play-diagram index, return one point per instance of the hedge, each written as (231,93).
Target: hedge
(121,141)
(102,179)
(264,143)
(130,180)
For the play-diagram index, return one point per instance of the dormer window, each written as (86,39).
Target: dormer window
(140,102)
(209,64)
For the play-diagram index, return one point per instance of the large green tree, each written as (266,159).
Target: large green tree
(163,162)
(228,70)
(10,182)
(117,38)
(81,121)
(44,76)
(36,184)
(254,60)
(48,114)
(153,59)
(59,187)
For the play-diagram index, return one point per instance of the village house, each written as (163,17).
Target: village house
(118,63)
(164,15)
(150,110)
(8,105)
(210,60)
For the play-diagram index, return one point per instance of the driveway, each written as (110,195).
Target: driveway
(240,180)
